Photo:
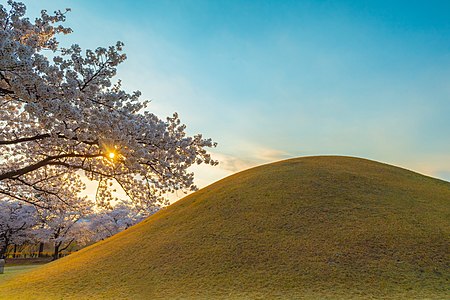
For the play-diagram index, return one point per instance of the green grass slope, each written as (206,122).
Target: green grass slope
(306,228)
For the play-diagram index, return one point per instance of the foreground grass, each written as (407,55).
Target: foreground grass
(308,228)
(11,271)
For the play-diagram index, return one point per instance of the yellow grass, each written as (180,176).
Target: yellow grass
(307,228)
(11,271)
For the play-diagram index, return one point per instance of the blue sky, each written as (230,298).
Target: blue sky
(270,80)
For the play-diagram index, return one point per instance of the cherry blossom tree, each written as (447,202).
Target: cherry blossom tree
(107,222)
(63,119)
(16,223)
(63,225)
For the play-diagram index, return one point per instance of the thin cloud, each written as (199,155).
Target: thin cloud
(254,157)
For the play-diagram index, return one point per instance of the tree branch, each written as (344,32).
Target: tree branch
(44,136)
(24,199)
(26,139)
(4,92)
(51,160)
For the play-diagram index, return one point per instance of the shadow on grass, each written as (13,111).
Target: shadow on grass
(11,271)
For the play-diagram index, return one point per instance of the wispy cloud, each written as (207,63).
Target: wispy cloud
(253,156)
(432,165)
(232,163)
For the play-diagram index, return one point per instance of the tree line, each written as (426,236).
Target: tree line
(23,224)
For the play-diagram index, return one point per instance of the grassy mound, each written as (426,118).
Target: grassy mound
(314,227)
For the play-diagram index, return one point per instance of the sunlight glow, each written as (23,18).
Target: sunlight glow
(111,155)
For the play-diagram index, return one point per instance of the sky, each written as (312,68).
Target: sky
(270,80)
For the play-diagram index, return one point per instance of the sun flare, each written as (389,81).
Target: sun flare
(111,155)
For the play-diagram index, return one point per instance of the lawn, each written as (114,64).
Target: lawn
(11,271)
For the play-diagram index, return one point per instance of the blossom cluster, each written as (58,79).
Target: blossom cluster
(62,118)
(23,224)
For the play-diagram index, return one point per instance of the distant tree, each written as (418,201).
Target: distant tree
(107,222)
(62,225)
(16,223)
(62,118)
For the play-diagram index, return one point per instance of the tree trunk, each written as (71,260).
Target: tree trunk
(41,249)
(15,251)
(4,247)
(56,251)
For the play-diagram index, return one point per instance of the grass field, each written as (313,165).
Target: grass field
(11,271)
(307,228)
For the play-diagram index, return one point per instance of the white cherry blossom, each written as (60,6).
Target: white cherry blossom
(62,118)
(16,223)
